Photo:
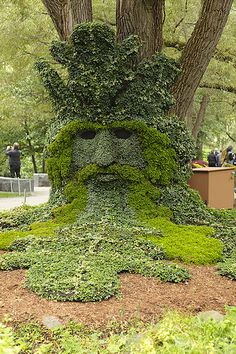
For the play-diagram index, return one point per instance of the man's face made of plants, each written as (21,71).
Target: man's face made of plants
(127,151)
(106,148)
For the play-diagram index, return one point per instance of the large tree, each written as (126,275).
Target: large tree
(65,14)
(199,51)
(142,18)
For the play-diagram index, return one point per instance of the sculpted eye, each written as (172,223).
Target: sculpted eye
(88,134)
(122,133)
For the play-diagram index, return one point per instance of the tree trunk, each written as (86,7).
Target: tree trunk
(143,18)
(189,116)
(81,11)
(198,52)
(30,146)
(200,115)
(65,14)
(43,164)
(199,146)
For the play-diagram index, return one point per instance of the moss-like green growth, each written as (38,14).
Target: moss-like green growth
(38,229)
(190,244)
(159,157)
(143,197)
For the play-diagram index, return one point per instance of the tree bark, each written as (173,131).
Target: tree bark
(199,146)
(30,146)
(65,14)
(189,116)
(198,52)
(201,115)
(143,18)
(81,11)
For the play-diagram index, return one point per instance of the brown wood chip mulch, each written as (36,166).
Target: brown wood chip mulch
(143,298)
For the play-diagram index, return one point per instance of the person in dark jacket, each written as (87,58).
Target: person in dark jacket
(211,159)
(14,160)
(230,155)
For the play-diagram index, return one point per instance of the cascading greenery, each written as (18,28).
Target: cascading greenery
(113,156)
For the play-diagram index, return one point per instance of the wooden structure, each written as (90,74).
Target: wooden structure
(215,185)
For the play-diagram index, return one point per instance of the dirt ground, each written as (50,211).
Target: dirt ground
(143,298)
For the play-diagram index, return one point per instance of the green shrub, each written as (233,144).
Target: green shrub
(190,244)
(24,215)
(228,267)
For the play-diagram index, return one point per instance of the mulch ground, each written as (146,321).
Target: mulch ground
(143,298)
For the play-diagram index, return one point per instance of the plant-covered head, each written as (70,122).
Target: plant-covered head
(119,150)
(109,123)
(107,162)
(102,80)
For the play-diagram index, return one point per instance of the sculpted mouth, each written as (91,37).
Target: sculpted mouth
(106,177)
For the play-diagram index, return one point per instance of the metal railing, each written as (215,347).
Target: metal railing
(16,185)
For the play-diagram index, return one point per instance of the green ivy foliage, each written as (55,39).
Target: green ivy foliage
(104,80)
(186,205)
(82,263)
(24,215)
(105,83)
(182,142)
(228,266)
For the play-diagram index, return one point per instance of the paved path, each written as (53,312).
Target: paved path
(39,196)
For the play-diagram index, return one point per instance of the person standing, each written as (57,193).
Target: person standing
(14,160)
(230,155)
(211,159)
(217,157)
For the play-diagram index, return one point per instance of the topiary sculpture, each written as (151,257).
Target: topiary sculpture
(111,152)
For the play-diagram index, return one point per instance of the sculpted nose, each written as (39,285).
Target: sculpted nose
(105,150)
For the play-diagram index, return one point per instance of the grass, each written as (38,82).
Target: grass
(12,195)
(8,195)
